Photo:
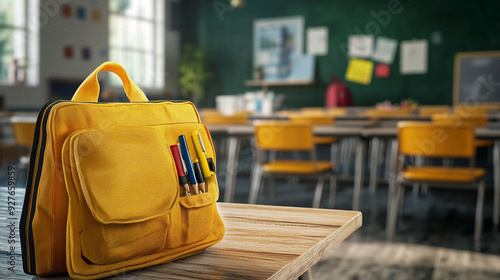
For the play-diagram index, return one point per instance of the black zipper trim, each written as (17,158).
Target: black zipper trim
(29,189)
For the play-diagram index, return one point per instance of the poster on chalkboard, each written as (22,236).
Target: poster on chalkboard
(414,57)
(361,46)
(385,50)
(277,42)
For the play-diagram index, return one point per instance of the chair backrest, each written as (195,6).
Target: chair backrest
(283,136)
(429,110)
(313,110)
(209,116)
(436,140)
(466,111)
(336,111)
(312,119)
(458,119)
(396,112)
(24,131)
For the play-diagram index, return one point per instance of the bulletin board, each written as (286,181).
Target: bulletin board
(477,78)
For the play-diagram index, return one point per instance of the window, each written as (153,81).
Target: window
(18,42)
(136,40)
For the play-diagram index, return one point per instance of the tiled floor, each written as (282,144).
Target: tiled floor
(434,238)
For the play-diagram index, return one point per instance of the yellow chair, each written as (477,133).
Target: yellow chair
(466,111)
(313,110)
(388,113)
(338,111)
(284,136)
(423,139)
(24,132)
(214,117)
(315,120)
(476,119)
(429,110)
(319,140)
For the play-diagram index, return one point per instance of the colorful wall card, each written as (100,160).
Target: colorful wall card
(81,13)
(68,52)
(385,50)
(66,10)
(361,46)
(359,71)
(382,71)
(414,57)
(317,40)
(86,55)
(96,15)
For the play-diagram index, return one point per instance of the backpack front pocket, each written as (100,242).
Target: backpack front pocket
(127,184)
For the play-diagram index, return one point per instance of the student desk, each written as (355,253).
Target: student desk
(236,133)
(261,242)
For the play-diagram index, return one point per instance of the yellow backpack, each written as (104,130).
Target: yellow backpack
(103,194)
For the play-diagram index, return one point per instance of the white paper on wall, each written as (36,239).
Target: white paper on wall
(414,57)
(361,46)
(317,40)
(385,50)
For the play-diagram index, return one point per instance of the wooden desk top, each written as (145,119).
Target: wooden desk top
(262,242)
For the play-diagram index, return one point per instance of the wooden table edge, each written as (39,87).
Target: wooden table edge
(314,254)
(326,245)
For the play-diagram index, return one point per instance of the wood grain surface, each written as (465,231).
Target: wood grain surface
(261,242)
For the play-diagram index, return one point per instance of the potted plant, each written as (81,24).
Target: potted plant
(193,73)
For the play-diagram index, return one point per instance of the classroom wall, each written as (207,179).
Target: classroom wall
(57,32)
(227,36)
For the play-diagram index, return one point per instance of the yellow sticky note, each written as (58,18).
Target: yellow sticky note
(359,71)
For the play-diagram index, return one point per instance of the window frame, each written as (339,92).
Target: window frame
(25,6)
(157,54)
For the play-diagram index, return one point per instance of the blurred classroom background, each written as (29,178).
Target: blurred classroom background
(357,74)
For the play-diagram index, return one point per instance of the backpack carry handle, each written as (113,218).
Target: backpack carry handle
(88,91)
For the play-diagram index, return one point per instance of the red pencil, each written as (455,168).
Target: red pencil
(180,170)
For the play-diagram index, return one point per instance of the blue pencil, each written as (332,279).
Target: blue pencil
(189,162)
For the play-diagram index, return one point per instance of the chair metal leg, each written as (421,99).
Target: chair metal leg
(358,179)
(256,185)
(271,189)
(496,183)
(334,151)
(392,211)
(333,190)
(479,216)
(318,191)
(374,160)
(401,199)
(233,149)
(351,146)
(416,189)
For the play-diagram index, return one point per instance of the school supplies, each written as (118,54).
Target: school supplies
(199,175)
(183,181)
(202,155)
(189,163)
